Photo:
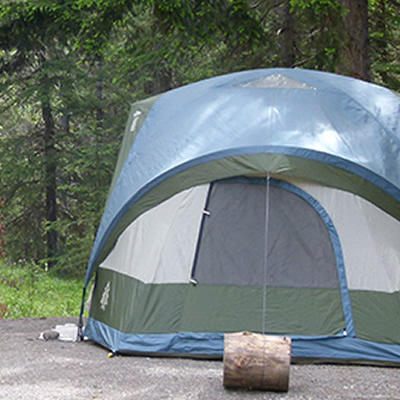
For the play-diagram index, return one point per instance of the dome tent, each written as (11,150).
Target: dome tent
(265,200)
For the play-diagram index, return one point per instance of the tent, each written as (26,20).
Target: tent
(265,200)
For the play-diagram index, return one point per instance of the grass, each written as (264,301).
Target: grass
(27,291)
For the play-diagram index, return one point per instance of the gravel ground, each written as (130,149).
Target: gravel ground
(35,369)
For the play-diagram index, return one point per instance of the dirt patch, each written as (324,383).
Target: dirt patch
(35,369)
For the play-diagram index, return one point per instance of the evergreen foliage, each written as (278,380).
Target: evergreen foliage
(69,70)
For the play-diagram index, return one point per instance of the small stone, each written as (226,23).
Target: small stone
(51,335)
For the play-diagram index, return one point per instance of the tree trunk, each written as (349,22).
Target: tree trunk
(286,35)
(99,94)
(50,182)
(254,361)
(355,54)
(2,231)
(99,120)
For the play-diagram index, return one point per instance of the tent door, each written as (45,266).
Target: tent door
(302,278)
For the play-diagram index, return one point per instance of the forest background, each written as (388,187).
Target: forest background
(70,69)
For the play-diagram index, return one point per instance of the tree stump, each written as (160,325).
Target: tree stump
(255,361)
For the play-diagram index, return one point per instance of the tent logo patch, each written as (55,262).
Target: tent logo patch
(105,296)
(135,120)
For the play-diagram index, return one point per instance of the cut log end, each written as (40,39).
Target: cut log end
(254,361)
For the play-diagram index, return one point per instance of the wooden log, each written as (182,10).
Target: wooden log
(255,361)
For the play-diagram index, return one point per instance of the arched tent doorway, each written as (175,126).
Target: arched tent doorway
(267,232)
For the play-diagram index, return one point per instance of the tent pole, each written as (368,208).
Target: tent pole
(265,253)
(80,323)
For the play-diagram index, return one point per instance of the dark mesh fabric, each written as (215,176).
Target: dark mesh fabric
(237,231)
